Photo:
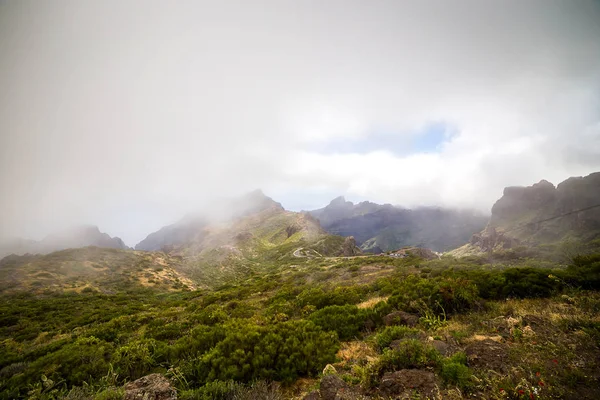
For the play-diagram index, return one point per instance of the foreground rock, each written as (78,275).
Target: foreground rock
(488,354)
(404,382)
(150,387)
(401,318)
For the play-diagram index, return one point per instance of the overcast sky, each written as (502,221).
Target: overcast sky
(128,114)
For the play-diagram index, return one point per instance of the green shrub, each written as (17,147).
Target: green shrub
(374,315)
(200,339)
(138,357)
(346,320)
(390,333)
(456,374)
(281,352)
(410,353)
(454,371)
(76,363)
(110,394)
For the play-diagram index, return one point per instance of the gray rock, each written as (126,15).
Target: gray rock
(150,387)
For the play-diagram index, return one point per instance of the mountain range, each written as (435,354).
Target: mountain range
(379,228)
(254,225)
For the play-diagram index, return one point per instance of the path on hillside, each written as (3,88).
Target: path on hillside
(297,254)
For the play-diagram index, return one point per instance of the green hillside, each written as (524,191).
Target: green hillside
(378,320)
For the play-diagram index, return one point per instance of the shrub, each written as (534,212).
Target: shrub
(456,374)
(137,358)
(281,351)
(527,282)
(346,320)
(454,371)
(77,362)
(409,354)
(391,333)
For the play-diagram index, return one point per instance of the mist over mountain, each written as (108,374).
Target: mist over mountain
(385,227)
(74,237)
(192,227)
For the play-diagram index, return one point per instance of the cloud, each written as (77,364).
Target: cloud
(130,114)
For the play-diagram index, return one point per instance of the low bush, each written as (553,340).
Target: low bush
(347,321)
(390,333)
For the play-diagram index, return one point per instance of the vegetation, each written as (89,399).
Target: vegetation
(285,320)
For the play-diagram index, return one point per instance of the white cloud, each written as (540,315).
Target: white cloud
(131,114)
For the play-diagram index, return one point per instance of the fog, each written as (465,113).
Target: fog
(130,114)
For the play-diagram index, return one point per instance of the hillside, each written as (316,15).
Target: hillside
(541,214)
(378,228)
(253,229)
(74,237)
(372,327)
(264,304)
(92,269)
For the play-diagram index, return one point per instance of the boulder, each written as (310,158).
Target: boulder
(442,347)
(406,381)
(332,386)
(150,387)
(314,395)
(401,318)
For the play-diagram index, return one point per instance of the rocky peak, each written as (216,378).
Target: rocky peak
(253,202)
(518,200)
(340,201)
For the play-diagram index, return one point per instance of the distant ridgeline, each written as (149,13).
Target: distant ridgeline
(541,214)
(379,228)
(75,237)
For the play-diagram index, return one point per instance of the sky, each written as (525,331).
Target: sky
(130,114)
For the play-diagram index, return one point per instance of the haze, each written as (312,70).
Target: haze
(130,114)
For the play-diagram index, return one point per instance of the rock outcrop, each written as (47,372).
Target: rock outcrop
(407,381)
(150,387)
(541,214)
(349,247)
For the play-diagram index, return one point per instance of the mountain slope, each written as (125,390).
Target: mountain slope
(248,234)
(542,214)
(192,228)
(92,269)
(385,227)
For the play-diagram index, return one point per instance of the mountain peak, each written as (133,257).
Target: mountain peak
(339,202)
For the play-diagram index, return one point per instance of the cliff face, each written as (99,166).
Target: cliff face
(541,214)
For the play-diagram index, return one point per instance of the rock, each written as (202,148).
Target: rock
(314,395)
(442,347)
(487,354)
(150,387)
(401,318)
(349,247)
(406,381)
(331,386)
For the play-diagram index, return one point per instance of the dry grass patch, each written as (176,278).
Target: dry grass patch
(355,352)
(372,301)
